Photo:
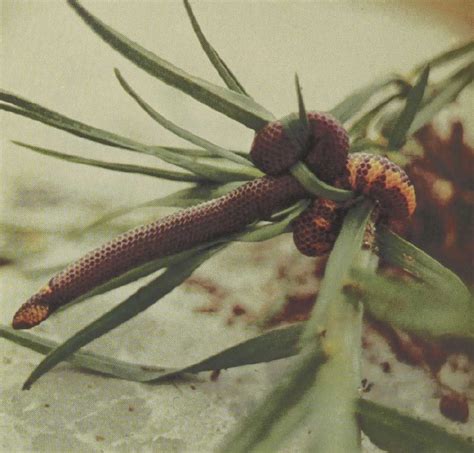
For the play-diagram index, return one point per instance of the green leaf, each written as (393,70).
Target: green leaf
(303,116)
(207,171)
(352,105)
(297,130)
(194,195)
(399,252)
(273,345)
(339,325)
(132,306)
(266,232)
(364,144)
(360,128)
(90,361)
(193,152)
(222,69)
(406,117)
(415,307)
(181,199)
(254,233)
(28,109)
(386,427)
(317,187)
(125,168)
(279,415)
(443,94)
(235,105)
(447,57)
(179,131)
(396,432)
(140,272)
(179,267)
(258,426)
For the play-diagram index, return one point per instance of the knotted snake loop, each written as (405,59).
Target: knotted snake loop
(325,151)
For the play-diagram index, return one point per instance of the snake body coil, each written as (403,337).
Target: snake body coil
(274,152)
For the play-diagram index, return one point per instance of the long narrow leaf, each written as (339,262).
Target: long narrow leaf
(447,56)
(180,199)
(402,253)
(407,115)
(317,187)
(256,428)
(132,306)
(386,427)
(302,114)
(140,272)
(23,107)
(176,272)
(273,345)
(36,112)
(443,95)
(291,402)
(222,69)
(416,307)
(437,96)
(350,106)
(253,233)
(193,152)
(115,166)
(266,232)
(334,392)
(360,128)
(396,432)
(87,360)
(363,144)
(296,128)
(235,105)
(179,131)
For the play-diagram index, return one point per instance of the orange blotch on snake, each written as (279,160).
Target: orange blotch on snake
(383,181)
(316,228)
(376,177)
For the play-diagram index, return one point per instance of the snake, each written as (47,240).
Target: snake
(325,151)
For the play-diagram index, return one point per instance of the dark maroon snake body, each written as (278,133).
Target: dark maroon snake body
(252,201)
(273,152)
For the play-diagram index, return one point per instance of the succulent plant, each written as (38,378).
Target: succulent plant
(436,303)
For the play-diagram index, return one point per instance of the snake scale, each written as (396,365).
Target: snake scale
(273,151)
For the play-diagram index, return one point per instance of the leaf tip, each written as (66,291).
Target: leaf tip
(301,107)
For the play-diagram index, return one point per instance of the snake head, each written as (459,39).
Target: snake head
(323,146)
(35,310)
